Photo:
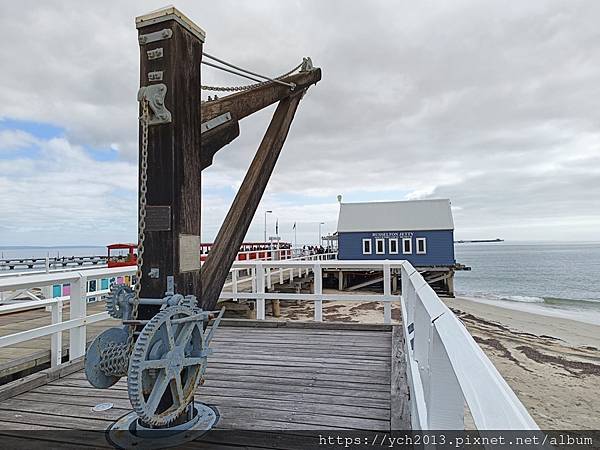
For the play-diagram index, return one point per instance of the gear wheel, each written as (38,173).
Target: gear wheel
(117,299)
(166,366)
(189,301)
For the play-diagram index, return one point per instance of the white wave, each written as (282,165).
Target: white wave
(509,298)
(522,298)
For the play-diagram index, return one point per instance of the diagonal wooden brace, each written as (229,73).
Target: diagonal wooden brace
(231,235)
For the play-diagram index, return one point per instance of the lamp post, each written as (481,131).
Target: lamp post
(320,240)
(266,212)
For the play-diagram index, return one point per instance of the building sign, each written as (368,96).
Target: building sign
(394,234)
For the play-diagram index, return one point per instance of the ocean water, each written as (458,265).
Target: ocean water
(556,279)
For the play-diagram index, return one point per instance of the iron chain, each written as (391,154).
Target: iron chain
(141,221)
(248,86)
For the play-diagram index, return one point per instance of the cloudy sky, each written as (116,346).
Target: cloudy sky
(494,105)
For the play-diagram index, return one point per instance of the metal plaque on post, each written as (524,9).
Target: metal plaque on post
(158,218)
(189,253)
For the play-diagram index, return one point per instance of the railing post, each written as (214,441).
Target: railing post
(260,290)
(318,291)
(268,276)
(234,284)
(78,310)
(408,295)
(56,338)
(253,275)
(445,402)
(387,292)
(280,275)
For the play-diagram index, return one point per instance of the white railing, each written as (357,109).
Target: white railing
(445,366)
(263,272)
(79,293)
(78,300)
(274,254)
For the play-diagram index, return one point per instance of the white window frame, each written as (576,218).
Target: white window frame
(390,246)
(424,241)
(409,252)
(377,241)
(364,241)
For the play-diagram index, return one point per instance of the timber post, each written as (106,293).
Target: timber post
(170,56)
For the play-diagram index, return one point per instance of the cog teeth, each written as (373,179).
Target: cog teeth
(135,378)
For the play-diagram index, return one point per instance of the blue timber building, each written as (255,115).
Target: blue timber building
(420,231)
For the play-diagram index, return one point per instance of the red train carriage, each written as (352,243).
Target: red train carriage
(121,255)
(255,250)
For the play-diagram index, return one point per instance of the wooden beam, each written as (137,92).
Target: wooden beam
(234,228)
(438,278)
(399,393)
(365,283)
(215,139)
(241,105)
(172,238)
(244,103)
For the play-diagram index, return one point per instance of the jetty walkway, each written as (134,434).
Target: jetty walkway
(288,377)
(418,373)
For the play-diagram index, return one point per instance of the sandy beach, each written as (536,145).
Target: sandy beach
(552,364)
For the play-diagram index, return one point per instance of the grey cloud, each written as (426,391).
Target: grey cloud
(493,104)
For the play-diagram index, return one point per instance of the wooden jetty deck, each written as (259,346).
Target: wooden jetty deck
(263,376)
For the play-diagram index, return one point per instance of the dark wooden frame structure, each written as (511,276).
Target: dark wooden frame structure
(178,151)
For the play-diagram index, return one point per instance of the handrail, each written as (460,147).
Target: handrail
(445,366)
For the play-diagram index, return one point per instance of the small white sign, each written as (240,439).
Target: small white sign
(189,253)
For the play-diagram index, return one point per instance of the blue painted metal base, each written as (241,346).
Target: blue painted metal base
(128,432)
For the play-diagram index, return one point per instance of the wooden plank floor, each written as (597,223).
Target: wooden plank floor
(259,378)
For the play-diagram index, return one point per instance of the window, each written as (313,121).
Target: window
(421,246)
(380,246)
(366,246)
(394,246)
(407,246)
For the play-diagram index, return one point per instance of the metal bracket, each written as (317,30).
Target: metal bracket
(307,65)
(155,54)
(165,33)
(170,285)
(213,123)
(155,76)
(155,94)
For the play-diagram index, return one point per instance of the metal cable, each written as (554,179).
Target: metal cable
(231,71)
(248,86)
(290,85)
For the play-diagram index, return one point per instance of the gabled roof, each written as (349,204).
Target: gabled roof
(412,215)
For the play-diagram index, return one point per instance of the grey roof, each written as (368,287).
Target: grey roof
(412,215)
